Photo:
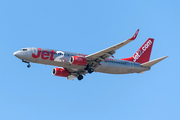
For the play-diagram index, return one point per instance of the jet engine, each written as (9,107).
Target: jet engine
(60,72)
(77,60)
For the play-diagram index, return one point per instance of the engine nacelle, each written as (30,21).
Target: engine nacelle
(60,72)
(77,60)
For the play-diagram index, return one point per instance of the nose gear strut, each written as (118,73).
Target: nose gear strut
(26,61)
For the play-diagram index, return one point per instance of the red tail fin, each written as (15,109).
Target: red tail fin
(143,54)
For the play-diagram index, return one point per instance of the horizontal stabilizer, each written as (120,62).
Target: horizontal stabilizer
(153,62)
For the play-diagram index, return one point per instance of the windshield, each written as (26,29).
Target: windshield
(23,50)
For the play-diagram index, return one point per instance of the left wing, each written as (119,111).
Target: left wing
(103,54)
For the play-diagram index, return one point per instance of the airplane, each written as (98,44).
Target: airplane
(75,65)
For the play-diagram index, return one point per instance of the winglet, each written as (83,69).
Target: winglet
(135,35)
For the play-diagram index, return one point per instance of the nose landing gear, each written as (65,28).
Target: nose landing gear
(28,65)
(26,61)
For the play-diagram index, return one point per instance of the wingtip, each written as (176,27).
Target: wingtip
(166,57)
(135,35)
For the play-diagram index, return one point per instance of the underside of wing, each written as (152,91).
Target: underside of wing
(74,73)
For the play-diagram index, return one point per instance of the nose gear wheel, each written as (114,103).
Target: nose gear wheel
(25,61)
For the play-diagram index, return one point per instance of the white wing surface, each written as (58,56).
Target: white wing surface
(103,54)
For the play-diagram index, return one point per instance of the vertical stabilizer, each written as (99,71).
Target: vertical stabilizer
(143,54)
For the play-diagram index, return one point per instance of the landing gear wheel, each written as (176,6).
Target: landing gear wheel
(80,77)
(26,61)
(90,70)
(28,65)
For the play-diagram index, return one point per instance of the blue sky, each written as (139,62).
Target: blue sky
(89,26)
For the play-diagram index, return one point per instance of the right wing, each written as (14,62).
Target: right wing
(103,54)
(95,59)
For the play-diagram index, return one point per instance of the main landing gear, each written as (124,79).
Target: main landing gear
(80,77)
(25,61)
(90,70)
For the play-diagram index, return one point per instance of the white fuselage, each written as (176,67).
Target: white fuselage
(61,59)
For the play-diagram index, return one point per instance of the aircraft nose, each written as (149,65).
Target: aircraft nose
(16,53)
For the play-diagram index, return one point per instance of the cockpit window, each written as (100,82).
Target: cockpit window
(23,50)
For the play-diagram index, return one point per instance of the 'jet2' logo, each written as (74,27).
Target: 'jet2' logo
(44,54)
(140,52)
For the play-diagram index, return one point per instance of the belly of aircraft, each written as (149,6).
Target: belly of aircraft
(113,69)
(119,69)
